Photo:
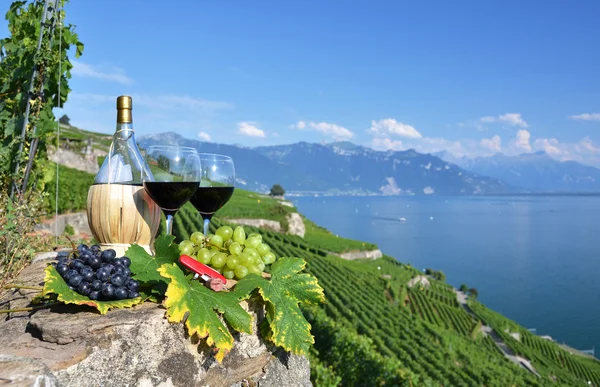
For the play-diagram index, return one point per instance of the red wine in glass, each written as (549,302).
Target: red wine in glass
(171,195)
(216,186)
(209,200)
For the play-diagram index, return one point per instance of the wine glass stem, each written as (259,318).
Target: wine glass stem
(206,224)
(169,224)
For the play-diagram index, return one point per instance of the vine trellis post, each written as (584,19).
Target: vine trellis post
(50,9)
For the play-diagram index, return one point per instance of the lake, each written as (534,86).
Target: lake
(535,259)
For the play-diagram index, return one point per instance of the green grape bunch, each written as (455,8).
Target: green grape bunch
(230,251)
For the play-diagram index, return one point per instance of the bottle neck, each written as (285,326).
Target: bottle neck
(124,130)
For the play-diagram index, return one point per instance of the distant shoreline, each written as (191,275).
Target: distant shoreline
(542,194)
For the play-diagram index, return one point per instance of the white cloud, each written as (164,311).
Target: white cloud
(336,131)
(204,136)
(107,73)
(385,143)
(548,145)
(586,117)
(512,119)
(522,140)
(250,129)
(391,126)
(494,144)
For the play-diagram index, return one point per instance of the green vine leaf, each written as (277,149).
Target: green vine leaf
(286,289)
(145,266)
(201,303)
(55,284)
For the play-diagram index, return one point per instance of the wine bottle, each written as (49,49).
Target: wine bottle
(119,210)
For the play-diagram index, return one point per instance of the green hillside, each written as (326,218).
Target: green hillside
(375,330)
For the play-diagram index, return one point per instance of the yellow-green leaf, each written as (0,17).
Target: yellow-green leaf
(55,284)
(202,304)
(283,292)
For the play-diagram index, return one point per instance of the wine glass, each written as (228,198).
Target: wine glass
(216,186)
(173,177)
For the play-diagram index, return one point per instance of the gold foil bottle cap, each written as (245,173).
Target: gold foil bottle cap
(124,106)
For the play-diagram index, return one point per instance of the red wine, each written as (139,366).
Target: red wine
(170,196)
(209,200)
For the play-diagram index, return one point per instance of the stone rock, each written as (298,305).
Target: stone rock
(78,221)
(371,254)
(296,224)
(67,345)
(87,163)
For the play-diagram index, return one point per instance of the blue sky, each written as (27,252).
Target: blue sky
(471,77)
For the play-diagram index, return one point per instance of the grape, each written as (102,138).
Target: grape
(75,280)
(253,269)
(121,293)
(251,252)
(108,255)
(84,288)
(62,268)
(87,274)
(225,232)
(229,274)
(77,264)
(262,249)
(240,272)
(239,235)
(258,261)
(186,249)
(125,261)
(119,269)
(252,242)
(197,238)
(94,262)
(245,259)
(255,235)
(203,256)
(232,262)
(261,266)
(85,257)
(235,248)
(96,285)
(218,260)
(133,285)
(117,279)
(133,294)
(268,258)
(90,274)
(108,291)
(216,241)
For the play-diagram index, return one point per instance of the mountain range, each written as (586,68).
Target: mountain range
(342,168)
(533,172)
(346,168)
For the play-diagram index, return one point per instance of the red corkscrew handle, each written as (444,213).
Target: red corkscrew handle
(201,269)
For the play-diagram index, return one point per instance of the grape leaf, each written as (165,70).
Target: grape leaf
(286,289)
(201,303)
(55,284)
(145,266)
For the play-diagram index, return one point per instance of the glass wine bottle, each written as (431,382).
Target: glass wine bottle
(119,210)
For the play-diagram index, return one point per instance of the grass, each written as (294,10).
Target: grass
(322,237)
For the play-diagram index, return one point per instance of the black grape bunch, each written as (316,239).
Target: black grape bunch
(97,274)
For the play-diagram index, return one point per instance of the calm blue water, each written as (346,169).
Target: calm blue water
(533,259)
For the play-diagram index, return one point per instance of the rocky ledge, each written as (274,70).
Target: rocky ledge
(75,346)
